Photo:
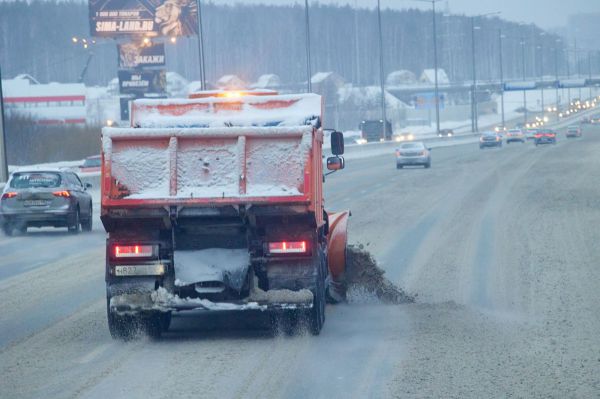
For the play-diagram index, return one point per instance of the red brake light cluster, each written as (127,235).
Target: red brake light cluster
(133,251)
(64,194)
(288,247)
(9,195)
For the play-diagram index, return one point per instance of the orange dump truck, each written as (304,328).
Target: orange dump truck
(216,203)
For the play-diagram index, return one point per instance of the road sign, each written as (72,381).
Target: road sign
(427,100)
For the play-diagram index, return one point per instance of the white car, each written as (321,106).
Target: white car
(413,153)
(515,135)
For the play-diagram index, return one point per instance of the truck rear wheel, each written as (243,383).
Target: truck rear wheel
(316,315)
(120,327)
(153,325)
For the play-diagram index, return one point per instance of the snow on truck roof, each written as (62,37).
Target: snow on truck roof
(235,111)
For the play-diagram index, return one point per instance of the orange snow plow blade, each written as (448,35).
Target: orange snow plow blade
(336,253)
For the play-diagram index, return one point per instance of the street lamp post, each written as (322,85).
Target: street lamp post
(568,76)
(474,111)
(590,71)
(524,73)
(3,160)
(474,127)
(541,48)
(578,65)
(308,61)
(201,47)
(381,71)
(435,64)
(557,81)
(500,37)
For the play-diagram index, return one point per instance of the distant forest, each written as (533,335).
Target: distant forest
(250,40)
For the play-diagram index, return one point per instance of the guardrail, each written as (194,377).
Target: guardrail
(355,151)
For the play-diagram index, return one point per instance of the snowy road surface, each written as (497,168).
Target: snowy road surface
(501,247)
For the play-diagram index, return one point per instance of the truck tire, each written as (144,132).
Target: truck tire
(153,325)
(120,327)
(316,315)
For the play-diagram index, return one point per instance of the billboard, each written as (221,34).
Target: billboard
(112,18)
(143,82)
(134,55)
(427,100)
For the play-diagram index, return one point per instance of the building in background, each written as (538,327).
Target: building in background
(52,103)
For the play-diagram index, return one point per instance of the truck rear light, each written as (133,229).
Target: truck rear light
(9,195)
(288,247)
(64,194)
(133,251)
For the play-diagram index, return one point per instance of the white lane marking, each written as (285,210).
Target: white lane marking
(93,354)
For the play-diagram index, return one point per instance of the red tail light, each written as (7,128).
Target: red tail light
(133,251)
(288,247)
(537,136)
(64,194)
(9,195)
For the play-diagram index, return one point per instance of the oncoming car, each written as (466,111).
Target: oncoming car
(446,133)
(415,153)
(39,198)
(573,131)
(490,139)
(403,137)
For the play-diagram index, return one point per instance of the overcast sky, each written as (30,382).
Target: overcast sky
(544,13)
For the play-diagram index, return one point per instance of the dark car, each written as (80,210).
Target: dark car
(91,164)
(545,137)
(573,131)
(39,198)
(446,133)
(490,139)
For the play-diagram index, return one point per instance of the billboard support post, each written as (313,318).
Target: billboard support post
(3,160)
(201,48)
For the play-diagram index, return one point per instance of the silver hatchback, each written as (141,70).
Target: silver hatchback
(415,153)
(38,198)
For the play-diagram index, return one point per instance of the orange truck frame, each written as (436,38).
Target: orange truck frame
(216,203)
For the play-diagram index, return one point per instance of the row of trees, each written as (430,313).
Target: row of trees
(249,40)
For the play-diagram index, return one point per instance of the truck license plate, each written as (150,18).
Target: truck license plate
(139,270)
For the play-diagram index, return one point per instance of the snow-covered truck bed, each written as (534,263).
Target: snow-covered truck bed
(217,204)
